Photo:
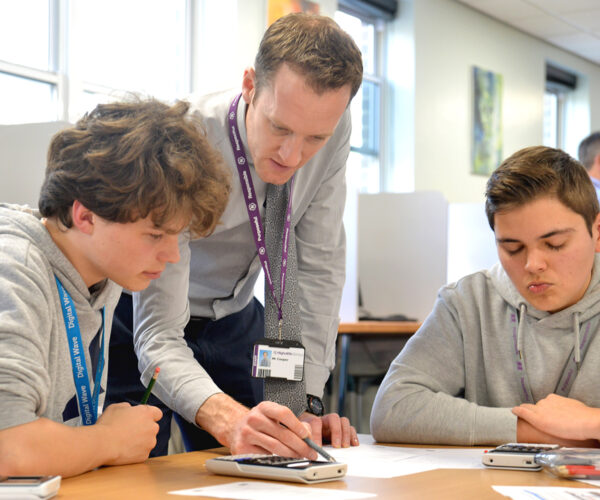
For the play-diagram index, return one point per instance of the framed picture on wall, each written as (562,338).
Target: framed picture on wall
(279,8)
(487,121)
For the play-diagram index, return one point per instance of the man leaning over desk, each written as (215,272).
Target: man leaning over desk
(293,121)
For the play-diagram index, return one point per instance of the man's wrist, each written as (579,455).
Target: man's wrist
(314,405)
(217,416)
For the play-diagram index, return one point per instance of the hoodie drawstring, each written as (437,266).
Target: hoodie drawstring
(577,346)
(573,364)
(522,310)
(576,330)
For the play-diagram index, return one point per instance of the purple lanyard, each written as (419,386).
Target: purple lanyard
(253,211)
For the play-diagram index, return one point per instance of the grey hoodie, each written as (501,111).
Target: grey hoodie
(36,378)
(456,379)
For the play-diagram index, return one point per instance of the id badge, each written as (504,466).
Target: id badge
(274,358)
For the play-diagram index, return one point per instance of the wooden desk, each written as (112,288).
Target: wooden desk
(371,329)
(157,476)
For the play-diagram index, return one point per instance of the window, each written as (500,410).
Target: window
(364,161)
(25,33)
(60,58)
(559,84)
(28,82)
(25,100)
(553,112)
(144,52)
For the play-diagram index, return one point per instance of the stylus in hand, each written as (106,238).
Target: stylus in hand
(318,449)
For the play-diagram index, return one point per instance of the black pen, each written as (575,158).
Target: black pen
(150,385)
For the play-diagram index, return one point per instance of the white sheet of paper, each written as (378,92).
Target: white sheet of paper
(270,491)
(595,482)
(547,493)
(372,460)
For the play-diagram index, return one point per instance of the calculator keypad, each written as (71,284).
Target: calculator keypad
(524,448)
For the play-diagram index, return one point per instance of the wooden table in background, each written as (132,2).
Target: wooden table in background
(369,329)
(154,478)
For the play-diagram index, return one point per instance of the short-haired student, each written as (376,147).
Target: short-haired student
(522,332)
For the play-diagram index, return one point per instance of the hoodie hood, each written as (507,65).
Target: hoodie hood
(36,366)
(23,222)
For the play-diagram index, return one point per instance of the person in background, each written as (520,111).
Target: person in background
(524,331)
(200,320)
(120,185)
(589,156)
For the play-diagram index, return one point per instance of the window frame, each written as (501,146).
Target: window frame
(559,111)
(53,76)
(377,78)
(67,89)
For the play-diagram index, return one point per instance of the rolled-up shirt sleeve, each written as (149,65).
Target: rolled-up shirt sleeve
(161,313)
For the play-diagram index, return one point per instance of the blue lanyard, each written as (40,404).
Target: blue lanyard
(88,406)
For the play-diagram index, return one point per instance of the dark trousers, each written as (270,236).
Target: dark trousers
(223,348)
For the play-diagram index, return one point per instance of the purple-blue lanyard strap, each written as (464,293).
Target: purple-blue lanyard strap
(253,211)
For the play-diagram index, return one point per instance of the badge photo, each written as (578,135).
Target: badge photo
(278,359)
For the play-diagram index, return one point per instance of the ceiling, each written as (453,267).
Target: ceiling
(573,25)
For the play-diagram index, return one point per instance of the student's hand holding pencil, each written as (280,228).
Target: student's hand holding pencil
(137,426)
(130,431)
(150,386)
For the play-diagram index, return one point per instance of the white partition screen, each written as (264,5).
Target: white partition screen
(471,242)
(402,247)
(23,160)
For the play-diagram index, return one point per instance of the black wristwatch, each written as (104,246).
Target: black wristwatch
(314,405)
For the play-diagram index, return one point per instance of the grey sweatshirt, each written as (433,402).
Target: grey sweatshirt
(456,379)
(36,378)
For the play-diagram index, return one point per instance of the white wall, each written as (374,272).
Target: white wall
(449,38)
(227,43)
